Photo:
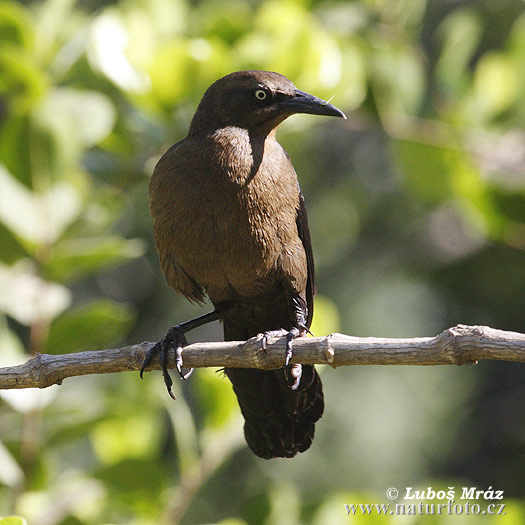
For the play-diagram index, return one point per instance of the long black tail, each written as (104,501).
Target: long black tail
(279,422)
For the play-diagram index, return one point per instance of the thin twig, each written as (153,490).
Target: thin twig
(458,345)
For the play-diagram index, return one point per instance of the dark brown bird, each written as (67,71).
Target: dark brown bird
(230,223)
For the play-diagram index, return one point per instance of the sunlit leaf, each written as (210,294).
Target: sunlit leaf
(10,472)
(49,24)
(131,436)
(37,217)
(13,520)
(26,297)
(227,19)
(73,258)
(517,48)
(16,24)
(353,85)
(288,39)
(184,429)
(474,197)
(512,514)
(89,113)
(73,495)
(216,397)
(496,82)
(285,504)
(22,83)
(11,349)
(28,400)
(185,68)
(109,38)
(326,317)
(398,82)
(460,32)
(90,326)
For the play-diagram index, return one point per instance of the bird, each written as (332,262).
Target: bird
(230,224)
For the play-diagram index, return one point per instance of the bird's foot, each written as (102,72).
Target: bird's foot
(174,339)
(294,371)
(271,334)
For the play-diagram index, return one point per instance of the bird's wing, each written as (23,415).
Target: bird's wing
(304,235)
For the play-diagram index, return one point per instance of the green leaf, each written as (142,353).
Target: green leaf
(74,258)
(38,218)
(26,297)
(49,26)
(90,115)
(353,85)
(17,160)
(12,250)
(88,327)
(11,473)
(201,60)
(496,83)
(136,486)
(13,520)
(16,24)
(336,229)
(332,510)
(22,83)
(107,52)
(398,82)
(216,397)
(326,317)
(426,168)
(227,20)
(119,438)
(11,348)
(460,33)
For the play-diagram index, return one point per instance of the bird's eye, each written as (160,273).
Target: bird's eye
(260,94)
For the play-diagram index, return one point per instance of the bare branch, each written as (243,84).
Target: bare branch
(458,345)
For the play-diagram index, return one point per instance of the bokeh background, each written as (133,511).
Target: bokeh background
(417,211)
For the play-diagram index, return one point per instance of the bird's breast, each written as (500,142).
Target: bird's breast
(233,220)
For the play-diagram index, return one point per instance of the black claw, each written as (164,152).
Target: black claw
(152,352)
(165,344)
(304,328)
(174,339)
(149,356)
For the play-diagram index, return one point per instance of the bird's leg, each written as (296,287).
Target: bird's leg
(299,311)
(175,339)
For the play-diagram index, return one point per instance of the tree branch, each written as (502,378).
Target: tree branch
(458,345)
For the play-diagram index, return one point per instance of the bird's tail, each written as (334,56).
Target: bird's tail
(279,421)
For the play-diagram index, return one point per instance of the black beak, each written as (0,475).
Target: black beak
(303,102)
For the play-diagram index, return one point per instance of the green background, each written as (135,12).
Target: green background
(417,210)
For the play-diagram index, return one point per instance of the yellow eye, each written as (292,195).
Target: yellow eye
(260,94)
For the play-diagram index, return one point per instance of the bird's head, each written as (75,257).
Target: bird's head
(256,99)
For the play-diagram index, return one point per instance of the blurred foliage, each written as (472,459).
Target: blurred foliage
(417,210)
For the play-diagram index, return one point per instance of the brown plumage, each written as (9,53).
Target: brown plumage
(230,223)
